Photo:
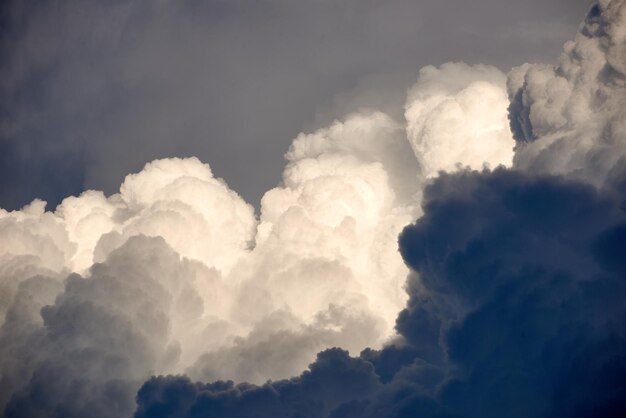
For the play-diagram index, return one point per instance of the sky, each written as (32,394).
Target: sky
(91,91)
(313,209)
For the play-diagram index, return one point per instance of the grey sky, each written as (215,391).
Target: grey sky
(92,90)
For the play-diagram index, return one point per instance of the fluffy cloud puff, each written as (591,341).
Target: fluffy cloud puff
(455,117)
(84,352)
(569,119)
(324,271)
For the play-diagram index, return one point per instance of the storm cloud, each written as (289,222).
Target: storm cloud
(517,283)
(504,299)
(516,308)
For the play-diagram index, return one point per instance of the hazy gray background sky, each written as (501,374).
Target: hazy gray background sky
(92,90)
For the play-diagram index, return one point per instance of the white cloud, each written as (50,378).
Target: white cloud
(456,116)
(218,293)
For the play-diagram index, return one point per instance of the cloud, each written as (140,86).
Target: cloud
(333,378)
(569,119)
(223,295)
(180,200)
(514,295)
(514,276)
(455,116)
(516,284)
(103,334)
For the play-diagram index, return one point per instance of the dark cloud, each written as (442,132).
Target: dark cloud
(516,309)
(332,380)
(90,91)
(529,312)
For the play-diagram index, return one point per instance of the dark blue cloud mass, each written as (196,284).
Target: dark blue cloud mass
(331,380)
(516,309)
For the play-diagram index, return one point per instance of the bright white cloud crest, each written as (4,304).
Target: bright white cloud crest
(219,293)
(457,114)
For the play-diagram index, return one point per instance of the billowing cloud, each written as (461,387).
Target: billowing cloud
(513,304)
(333,378)
(224,294)
(570,119)
(519,288)
(456,117)
(517,276)
(515,309)
(100,336)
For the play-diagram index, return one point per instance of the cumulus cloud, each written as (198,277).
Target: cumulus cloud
(569,119)
(512,307)
(456,117)
(517,276)
(515,309)
(101,336)
(324,271)
(224,294)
